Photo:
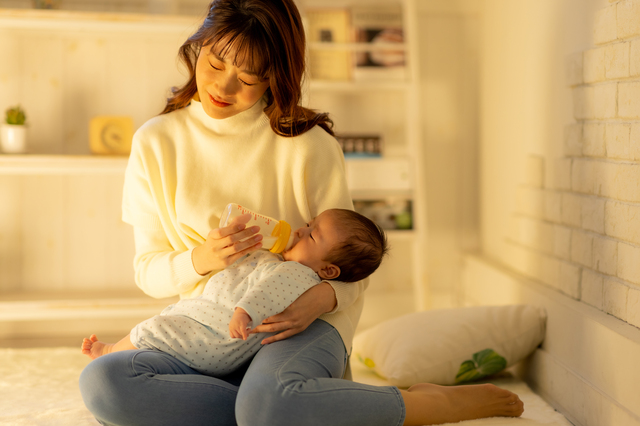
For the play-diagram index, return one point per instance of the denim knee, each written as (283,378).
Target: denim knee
(94,387)
(265,402)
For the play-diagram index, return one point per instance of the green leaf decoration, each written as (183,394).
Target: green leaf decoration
(484,364)
(367,361)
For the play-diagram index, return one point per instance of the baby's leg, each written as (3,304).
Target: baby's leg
(428,404)
(94,348)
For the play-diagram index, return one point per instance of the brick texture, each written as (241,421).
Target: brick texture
(615,298)
(573,140)
(578,228)
(605,25)
(622,220)
(605,255)
(629,263)
(593,142)
(582,248)
(617,140)
(616,60)
(592,288)
(633,306)
(628,18)
(629,100)
(634,58)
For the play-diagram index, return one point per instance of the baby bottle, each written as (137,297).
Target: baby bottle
(276,234)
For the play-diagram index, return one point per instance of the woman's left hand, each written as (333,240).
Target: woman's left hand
(314,302)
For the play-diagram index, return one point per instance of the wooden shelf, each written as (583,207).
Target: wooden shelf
(51,306)
(61,164)
(29,19)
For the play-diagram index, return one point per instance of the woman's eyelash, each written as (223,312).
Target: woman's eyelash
(241,81)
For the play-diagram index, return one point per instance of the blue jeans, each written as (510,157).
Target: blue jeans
(291,382)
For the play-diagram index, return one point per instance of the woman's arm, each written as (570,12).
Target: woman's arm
(162,271)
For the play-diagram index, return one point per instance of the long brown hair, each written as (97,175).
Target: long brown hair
(268,38)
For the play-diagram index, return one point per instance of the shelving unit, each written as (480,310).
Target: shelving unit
(91,184)
(402,95)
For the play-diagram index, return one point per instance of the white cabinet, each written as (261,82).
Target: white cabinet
(64,251)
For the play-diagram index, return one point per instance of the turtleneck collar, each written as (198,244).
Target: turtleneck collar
(232,125)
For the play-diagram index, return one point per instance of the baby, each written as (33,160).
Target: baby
(203,332)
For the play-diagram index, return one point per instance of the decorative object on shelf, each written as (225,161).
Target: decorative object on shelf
(388,213)
(46,4)
(354,145)
(110,135)
(13,132)
(380,25)
(328,26)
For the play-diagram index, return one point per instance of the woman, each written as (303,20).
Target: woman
(235,133)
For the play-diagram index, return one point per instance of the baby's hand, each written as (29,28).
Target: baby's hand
(239,325)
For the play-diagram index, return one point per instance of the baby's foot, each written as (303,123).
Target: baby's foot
(93,348)
(449,404)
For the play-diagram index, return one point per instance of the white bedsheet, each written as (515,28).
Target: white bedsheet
(40,387)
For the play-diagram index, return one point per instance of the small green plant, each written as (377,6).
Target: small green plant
(16,115)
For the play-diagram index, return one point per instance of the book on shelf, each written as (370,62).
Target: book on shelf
(360,145)
(381,27)
(329,26)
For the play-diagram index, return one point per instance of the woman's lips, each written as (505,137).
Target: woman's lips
(218,103)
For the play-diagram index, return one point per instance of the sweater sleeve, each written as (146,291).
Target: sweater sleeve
(161,268)
(326,185)
(161,271)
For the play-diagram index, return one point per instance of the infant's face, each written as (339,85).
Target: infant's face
(312,243)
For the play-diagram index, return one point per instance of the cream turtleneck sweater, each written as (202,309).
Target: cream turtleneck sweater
(185,167)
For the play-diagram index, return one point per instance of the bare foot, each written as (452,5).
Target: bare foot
(94,348)
(429,404)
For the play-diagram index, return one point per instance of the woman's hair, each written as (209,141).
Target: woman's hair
(268,38)
(363,246)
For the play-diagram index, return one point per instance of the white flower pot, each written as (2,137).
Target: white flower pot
(13,138)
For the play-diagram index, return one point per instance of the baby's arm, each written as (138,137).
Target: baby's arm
(239,325)
(94,348)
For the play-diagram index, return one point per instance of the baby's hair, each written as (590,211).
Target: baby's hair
(362,248)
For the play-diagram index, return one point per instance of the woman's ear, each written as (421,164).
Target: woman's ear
(329,272)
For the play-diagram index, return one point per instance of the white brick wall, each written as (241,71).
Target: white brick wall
(605,25)
(628,100)
(628,18)
(617,140)
(581,234)
(616,60)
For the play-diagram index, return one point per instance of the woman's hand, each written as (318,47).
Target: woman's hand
(314,302)
(224,246)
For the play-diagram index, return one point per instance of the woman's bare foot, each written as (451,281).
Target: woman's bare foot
(428,404)
(94,348)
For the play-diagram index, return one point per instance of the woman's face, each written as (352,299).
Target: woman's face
(224,88)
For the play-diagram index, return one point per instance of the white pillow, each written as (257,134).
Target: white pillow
(450,346)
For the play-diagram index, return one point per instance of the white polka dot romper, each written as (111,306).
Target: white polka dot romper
(196,331)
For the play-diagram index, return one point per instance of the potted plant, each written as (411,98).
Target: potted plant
(13,132)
